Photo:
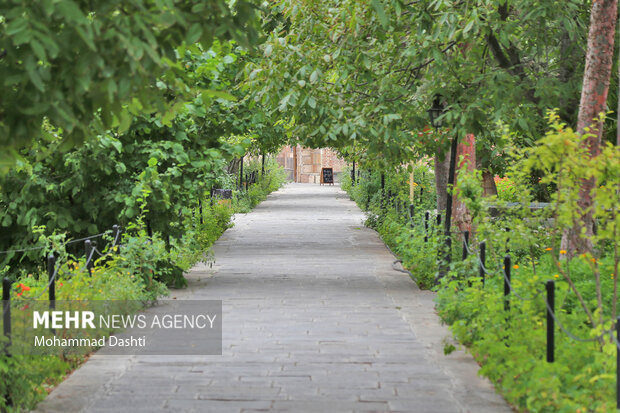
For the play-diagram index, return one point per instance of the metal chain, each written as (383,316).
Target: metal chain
(51,280)
(58,266)
(568,333)
(66,243)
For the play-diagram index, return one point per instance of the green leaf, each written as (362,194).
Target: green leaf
(125,122)
(314,76)
(16,26)
(71,11)
(378,6)
(38,49)
(218,94)
(468,26)
(33,73)
(194,33)
(117,145)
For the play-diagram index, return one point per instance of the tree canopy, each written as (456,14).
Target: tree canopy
(89,66)
(363,74)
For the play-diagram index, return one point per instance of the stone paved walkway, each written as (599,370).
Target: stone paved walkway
(315,320)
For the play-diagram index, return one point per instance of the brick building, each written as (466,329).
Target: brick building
(304,164)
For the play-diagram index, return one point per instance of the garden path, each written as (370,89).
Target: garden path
(315,318)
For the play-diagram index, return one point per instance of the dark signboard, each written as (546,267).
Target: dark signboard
(327,176)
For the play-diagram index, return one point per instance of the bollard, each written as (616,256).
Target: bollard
(262,167)
(507,242)
(427,215)
(483,257)
(465,244)
(617,364)
(88,248)
(51,260)
(6,311)
(507,262)
(550,286)
(240,186)
(382,189)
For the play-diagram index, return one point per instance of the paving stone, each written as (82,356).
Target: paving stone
(315,319)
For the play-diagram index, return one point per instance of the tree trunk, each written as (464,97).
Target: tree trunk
(233,166)
(596,78)
(466,158)
(441,179)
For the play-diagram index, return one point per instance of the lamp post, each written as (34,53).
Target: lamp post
(435,112)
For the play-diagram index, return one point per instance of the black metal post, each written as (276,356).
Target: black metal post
(51,261)
(439,219)
(507,262)
(507,242)
(262,167)
(483,257)
(465,244)
(382,190)
(550,285)
(241,174)
(427,215)
(617,364)
(6,311)
(200,211)
(88,248)
(246,182)
(353,175)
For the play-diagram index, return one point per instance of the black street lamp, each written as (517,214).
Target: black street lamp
(434,113)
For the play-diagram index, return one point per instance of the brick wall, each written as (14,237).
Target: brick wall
(309,163)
